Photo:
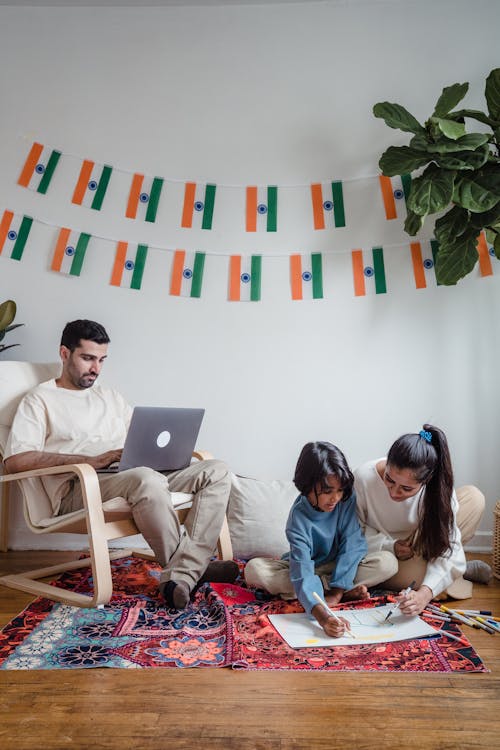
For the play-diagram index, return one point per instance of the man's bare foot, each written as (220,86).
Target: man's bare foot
(358,592)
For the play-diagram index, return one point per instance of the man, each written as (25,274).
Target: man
(70,420)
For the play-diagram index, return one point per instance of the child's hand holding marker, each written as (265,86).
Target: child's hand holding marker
(334,626)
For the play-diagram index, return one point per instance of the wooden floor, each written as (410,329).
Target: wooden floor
(220,708)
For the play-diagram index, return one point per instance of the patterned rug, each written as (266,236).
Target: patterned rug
(225,626)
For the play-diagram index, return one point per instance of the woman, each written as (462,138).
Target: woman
(407,506)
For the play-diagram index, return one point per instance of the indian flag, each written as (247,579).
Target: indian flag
(144,197)
(395,192)
(328,204)
(187,274)
(199,201)
(488,261)
(306,275)
(262,209)
(369,277)
(14,231)
(92,185)
(423,258)
(129,266)
(39,168)
(70,252)
(244,278)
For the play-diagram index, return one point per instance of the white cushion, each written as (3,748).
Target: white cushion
(257,514)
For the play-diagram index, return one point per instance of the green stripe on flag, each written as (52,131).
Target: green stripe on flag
(435,251)
(140,262)
(256,274)
(49,171)
(101,188)
(406,182)
(154,199)
(338,204)
(317,275)
(379,270)
(208,210)
(272,208)
(22,236)
(80,250)
(198,265)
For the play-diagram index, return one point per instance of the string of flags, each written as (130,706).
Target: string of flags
(71,248)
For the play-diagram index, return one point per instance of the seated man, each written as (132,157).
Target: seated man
(69,420)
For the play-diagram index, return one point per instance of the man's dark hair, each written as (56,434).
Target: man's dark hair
(77,330)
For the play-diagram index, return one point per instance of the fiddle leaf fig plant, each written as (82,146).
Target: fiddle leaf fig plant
(461,174)
(8,311)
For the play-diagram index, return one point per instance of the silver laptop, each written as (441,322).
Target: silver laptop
(162,438)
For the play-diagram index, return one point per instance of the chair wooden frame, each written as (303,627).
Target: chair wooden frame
(99,524)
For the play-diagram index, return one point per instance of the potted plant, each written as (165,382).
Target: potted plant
(8,311)
(462,174)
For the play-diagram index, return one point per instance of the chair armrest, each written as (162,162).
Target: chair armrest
(202,455)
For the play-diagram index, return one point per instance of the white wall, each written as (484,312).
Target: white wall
(239,95)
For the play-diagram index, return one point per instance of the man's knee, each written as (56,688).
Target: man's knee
(145,482)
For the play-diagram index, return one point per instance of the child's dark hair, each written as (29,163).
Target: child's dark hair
(427,455)
(316,461)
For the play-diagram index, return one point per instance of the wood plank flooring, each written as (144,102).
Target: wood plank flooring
(212,709)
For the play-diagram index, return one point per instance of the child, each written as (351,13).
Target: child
(326,541)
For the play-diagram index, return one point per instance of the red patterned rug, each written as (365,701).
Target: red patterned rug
(225,626)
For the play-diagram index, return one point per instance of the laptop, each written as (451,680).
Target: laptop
(162,438)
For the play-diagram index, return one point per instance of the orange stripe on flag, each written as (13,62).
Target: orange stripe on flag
(317,201)
(358,273)
(121,257)
(177,269)
(62,244)
(418,265)
(30,164)
(187,211)
(388,197)
(133,199)
(83,181)
(4,227)
(485,267)
(251,209)
(296,276)
(234,275)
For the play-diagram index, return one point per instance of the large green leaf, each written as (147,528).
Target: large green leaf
(450,128)
(464,160)
(489,218)
(477,192)
(413,223)
(449,98)
(432,191)
(456,259)
(444,145)
(474,114)
(7,313)
(496,246)
(492,94)
(401,160)
(451,225)
(396,116)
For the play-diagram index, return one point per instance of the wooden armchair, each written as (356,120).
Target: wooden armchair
(100,522)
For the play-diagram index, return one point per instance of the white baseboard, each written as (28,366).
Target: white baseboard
(482,542)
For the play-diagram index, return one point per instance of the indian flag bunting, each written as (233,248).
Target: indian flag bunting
(128,267)
(14,231)
(39,168)
(395,192)
(187,274)
(328,204)
(306,275)
(244,278)
(92,185)
(199,201)
(262,209)
(488,261)
(144,197)
(423,258)
(69,253)
(369,278)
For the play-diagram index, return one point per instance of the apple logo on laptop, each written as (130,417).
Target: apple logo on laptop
(163,439)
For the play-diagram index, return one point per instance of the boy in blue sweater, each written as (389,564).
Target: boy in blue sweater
(326,541)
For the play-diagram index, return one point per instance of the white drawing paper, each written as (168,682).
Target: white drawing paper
(367,626)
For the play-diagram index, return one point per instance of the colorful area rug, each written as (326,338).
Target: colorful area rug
(225,626)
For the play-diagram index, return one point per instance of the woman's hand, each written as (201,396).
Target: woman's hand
(403,549)
(416,601)
(334,627)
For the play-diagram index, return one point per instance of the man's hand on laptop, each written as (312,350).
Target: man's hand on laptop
(103,460)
